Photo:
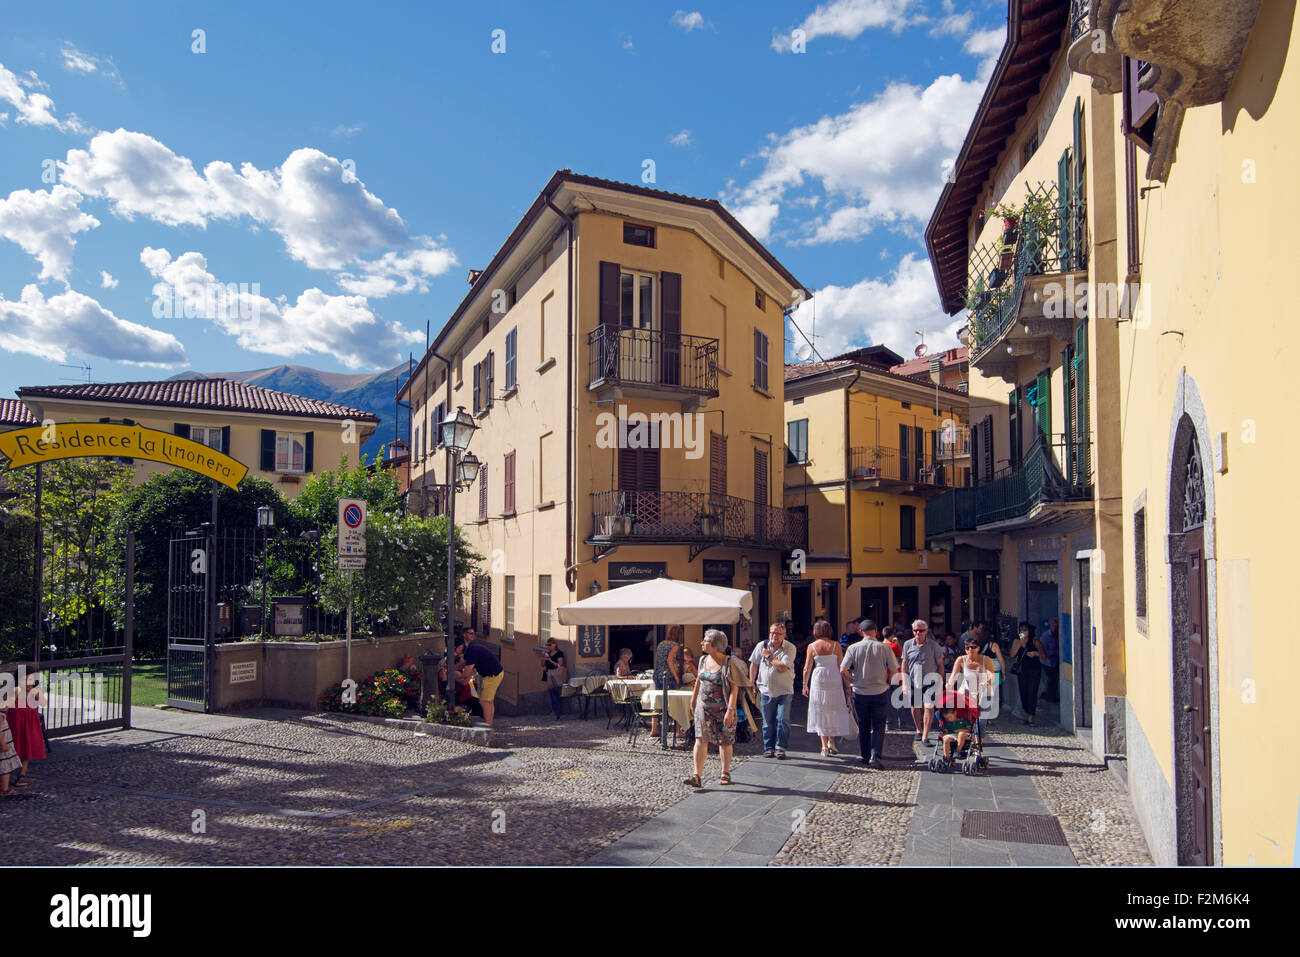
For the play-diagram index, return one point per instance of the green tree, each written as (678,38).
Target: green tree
(316,506)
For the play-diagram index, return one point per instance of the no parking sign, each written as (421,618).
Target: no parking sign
(352,533)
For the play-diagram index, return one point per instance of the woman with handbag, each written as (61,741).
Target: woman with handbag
(555,672)
(714,703)
(1027,657)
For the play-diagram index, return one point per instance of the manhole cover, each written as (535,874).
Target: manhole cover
(1018,828)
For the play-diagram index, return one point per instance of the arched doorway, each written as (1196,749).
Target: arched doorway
(1193,706)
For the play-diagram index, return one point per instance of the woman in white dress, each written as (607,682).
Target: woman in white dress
(827,689)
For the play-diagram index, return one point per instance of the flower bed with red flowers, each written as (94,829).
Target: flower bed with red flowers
(388,694)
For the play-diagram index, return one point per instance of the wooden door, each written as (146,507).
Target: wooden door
(1198,663)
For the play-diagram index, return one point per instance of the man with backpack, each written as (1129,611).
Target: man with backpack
(771,670)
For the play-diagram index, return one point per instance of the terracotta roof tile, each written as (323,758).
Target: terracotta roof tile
(13,412)
(219,395)
(801,370)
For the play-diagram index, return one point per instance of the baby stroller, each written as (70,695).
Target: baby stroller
(970,758)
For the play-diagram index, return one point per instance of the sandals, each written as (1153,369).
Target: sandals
(693,781)
(726,778)
(826,752)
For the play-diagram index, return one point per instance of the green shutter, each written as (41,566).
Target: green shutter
(268,450)
(1081,403)
(1013,427)
(1063,223)
(1044,408)
(1069,396)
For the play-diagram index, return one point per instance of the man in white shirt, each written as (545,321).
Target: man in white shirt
(771,669)
(869,664)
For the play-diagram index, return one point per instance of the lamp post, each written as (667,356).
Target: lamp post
(265,521)
(457,429)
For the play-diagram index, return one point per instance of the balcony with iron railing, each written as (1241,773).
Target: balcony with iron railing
(623,516)
(887,469)
(1018,294)
(1053,478)
(651,362)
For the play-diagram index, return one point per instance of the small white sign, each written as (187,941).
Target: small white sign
(352,529)
(351,562)
(243,671)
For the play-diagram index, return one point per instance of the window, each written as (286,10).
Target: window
(415,444)
(1030,148)
(478,388)
(907,527)
(485,605)
(482,493)
(290,452)
(509,487)
(509,631)
(796,442)
(209,436)
(543,609)
(489,378)
(1140,564)
(760,361)
(636,293)
(512,339)
(460,369)
(759,300)
(638,235)
(435,425)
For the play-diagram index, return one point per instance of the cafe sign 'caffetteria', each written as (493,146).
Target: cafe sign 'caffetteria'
(66,440)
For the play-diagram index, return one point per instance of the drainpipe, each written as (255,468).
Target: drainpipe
(848,482)
(570,571)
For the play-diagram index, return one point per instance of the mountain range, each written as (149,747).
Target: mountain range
(370,392)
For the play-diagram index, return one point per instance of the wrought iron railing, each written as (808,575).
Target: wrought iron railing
(694,517)
(1050,237)
(651,357)
(878,463)
(1079,10)
(1012,493)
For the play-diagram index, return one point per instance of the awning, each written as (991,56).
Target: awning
(660,601)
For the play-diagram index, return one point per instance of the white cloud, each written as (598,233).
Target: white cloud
(48,328)
(343,327)
(681,139)
(985,45)
(883,311)
(322,211)
(953,24)
(33,109)
(873,178)
(690,21)
(400,272)
(43,224)
(850,19)
(342,130)
(106,280)
(80,62)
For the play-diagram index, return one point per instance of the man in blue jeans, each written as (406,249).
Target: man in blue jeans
(869,664)
(771,669)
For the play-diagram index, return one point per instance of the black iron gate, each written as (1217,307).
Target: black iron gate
(190,622)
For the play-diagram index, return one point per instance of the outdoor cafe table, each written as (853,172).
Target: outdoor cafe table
(679,705)
(622,689)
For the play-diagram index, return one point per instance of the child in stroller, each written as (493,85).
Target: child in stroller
(961,735)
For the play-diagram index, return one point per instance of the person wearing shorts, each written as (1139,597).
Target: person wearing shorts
(483,663)
(922,677)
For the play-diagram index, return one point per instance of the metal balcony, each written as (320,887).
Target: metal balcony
(649,362)
(886,469)
(692,518)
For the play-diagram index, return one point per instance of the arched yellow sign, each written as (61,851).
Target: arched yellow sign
(66,440)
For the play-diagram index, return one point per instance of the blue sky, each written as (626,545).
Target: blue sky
(344,164)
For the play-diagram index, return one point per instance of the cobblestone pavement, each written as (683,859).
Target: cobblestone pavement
(1092,805)
(863,818)
(325,789)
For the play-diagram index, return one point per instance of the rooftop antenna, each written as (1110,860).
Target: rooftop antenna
(83,375)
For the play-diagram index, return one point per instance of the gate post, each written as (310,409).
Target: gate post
(128,638)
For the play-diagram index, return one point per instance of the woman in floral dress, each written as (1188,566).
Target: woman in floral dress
(714,704)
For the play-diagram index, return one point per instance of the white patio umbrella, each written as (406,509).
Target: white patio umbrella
(660,601)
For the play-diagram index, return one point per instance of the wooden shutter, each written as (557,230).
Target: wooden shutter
(918,450)
(717,468)
(482,493)
(670,322)
(509,487)
(1064,234)
(512,346)
(1083,439)
(760,477)
(986,437)
(1013,423)
(183,430)
(1044,409)
(485,606)
(760,360)
(904,453)
(268,448)
(478,393)
(225,439)
(309,459)
(489,378)
(609,297)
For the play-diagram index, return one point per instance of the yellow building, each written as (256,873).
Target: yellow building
(865,449)
(282,438)
(622,354)
(1141,297)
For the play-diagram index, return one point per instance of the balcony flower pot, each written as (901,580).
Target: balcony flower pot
(1007,258)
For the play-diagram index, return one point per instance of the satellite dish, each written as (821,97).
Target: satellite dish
(921,350)
(803,350)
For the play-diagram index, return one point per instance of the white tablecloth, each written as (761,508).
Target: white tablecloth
(679,705)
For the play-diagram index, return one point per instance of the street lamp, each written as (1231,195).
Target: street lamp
(457,429)
(265,521)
